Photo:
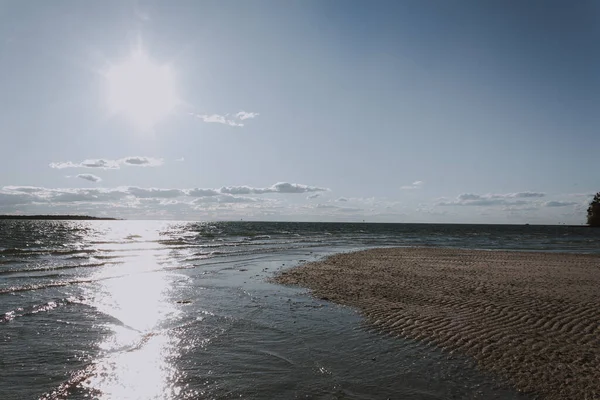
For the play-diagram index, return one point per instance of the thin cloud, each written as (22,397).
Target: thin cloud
(15,199)
(559,203)
(142,161)
(472,199)
(90,177)
(226,199)
(349,209)
(414,185)
(279,187)
(522,195)
(219,119)
(227,119)
(15,195)
(313,196)
(327,206)
(101,163)
(21,189)
(98,163)
(155,193)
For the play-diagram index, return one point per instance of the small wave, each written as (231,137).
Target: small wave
(53,252)
(27,288)
(175,242)
(18,252)
(72,252)
(66,388)
(106,257)
(11,261)
(56,268)
(38,308)
(78,257)
(244,252)
(258,237)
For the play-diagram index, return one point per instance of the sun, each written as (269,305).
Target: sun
(141,90)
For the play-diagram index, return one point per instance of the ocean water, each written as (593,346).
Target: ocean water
(182,310)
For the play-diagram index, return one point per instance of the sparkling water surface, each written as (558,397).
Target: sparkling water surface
(177,310)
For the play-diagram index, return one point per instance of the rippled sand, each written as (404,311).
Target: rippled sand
(532,318)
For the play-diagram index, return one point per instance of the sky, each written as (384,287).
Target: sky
(387,111)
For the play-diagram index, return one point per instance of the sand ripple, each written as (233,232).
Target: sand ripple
(532,318)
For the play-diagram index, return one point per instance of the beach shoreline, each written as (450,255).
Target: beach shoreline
(531,318)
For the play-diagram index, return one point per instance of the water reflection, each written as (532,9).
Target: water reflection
(136,360)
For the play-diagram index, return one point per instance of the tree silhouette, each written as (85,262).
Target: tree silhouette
(593,212)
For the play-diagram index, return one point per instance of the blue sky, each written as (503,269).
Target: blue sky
(399,111)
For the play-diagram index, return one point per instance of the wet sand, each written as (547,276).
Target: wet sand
(533,319)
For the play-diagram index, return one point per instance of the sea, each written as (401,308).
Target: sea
(186,310)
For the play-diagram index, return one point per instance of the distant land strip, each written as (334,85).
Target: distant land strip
(56,217)
(531,318)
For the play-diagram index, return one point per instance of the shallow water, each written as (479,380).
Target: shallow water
(148,309)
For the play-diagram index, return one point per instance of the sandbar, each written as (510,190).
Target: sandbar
(531,318)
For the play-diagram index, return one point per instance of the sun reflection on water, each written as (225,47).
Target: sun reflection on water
(136,360)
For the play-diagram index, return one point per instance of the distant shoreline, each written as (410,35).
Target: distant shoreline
(56,217)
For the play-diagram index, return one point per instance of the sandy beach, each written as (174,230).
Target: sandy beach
(532,319)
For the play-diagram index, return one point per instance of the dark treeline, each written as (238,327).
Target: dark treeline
(54,217)
(593,212)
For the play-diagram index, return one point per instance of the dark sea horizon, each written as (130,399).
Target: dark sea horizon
(134,309)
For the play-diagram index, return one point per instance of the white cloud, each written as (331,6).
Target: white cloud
(44,195)
(246,115)
(227,119)
(90,177)
(342,199)
(142,161)
(19,195)
(219,119)
(242,190)
(61,165)
(101,163)
(414,185)
(313,196)
(284,187)
(202,192)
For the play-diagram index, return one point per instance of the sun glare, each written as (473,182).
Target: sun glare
(141,90)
